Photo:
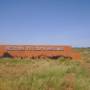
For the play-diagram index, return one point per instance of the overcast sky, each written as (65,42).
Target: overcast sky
(45,22)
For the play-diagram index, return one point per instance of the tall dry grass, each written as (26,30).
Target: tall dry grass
(45,74)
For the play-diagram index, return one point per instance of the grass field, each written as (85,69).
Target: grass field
(46,74)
